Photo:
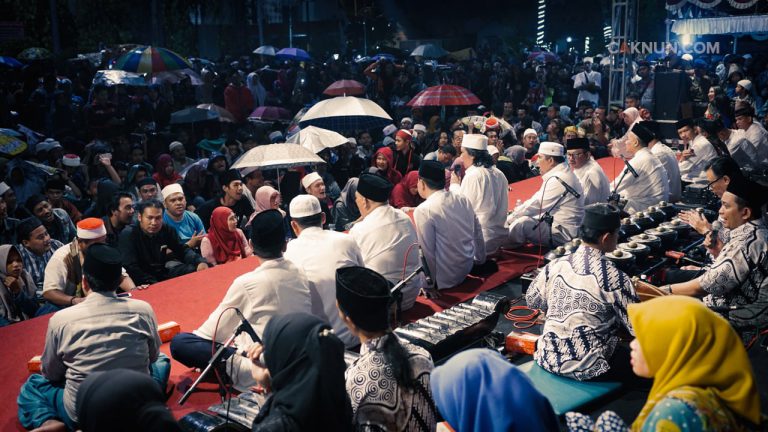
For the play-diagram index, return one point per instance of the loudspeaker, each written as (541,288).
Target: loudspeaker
(671,96)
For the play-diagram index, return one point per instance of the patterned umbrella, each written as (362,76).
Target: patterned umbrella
(293,54)
(345,88)
(224,115)
(111,77)
(150,60)
(346,113)
(10,145)
(10,62)
(35,54)
(543,57)
(443,95)
(270,113)
(265,50)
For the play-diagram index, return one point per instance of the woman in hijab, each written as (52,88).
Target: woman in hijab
(225,242)
(404,194)
(702,377)
(384,160)
(305,373)
(267,198)
(345,211)
(165,173)
(123,400)
(17,292)
(480,390)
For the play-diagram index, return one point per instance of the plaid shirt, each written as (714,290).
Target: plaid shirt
(35,264)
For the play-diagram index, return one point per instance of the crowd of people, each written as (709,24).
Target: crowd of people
(112,195)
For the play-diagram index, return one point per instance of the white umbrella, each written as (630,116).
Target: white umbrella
(277,156)
(267,50)
(344,113)
(317,139)
(110,77)
(175,76)
(429,51)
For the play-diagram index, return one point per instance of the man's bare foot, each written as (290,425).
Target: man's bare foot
(51,426)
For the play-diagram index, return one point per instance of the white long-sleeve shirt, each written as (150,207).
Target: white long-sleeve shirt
(319,253)
(450,236)
(384,236)
(594,182)
(568,214)
(741,149)
(668,159)
(487,191)
(692,169)
(651,185)
(758,136)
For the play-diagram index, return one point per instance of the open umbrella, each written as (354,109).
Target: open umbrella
(266,50)
(10,62)
(10,145)
(543,57)
(277,156)
(224,115)
(270,113)
(345,88)
(149,59)
(429,51)
(346,113)
(383,56)
(35,53)
(175,76)
(193,115)
(111,77)
(317,139)
(443,95)
(293,54)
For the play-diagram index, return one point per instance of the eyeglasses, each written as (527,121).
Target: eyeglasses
(709,185)
(576,155)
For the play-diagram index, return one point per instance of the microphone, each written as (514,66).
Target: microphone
(425,267)
(716,227)
(629,167)
(568,187)
(246,327)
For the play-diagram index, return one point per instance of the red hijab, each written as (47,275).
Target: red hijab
(392,174)
(227,245)
(401,194)
(159,176)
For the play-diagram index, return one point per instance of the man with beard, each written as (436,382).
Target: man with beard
(231,195)
(56,220)
(314,185)
(187,224)
(120,215)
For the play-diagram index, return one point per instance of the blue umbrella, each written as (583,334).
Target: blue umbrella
(383,56)
(10,62)
(293,54)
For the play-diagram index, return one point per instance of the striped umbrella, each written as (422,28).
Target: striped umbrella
(10,62)
(151,59)
(443,95)
(345,88)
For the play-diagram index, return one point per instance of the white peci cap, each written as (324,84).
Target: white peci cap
(171,189)
(303,206)
(309,179)
(551,149)
(475,141)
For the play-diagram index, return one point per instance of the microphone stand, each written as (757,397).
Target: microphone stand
(208,368)
(549,219)
(615,195)
(397,292)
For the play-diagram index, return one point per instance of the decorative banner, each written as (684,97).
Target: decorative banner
(742,4)
(706,4)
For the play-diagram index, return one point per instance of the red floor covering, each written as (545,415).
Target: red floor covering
(189,299)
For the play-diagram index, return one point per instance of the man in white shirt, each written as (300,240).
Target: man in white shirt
(651,184)
(667,158)
(485,187)
(698,152)
(524,223)
(319,253)
(386,236)
(277,286)
(755,132)
(739,147)
(593,180)
(448,230)
(588,83)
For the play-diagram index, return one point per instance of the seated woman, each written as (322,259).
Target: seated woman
(303,369)
(345,211)
(165,173)
(17,292)
(267,198)
(702,377)
(384,160)
(480,390)
(225,242)
(404,194)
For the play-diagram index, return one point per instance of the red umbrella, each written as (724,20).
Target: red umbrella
(345,88)
(270,113)
(443,95)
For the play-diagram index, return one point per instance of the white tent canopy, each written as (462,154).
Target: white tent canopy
(733,25)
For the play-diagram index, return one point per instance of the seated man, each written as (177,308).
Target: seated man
(187,225)
(103,333)
(152,251)
(56,220)
(62,286)
(314,185)
(319,253)
(590,174)
(120,213)
(448,229)
(697,152)
(36,248)
(585,298)
(389,384)
(385,235)
(230,195)
(276,286)
(735,284)
(524,223)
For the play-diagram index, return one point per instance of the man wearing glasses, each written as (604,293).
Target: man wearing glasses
(591,176)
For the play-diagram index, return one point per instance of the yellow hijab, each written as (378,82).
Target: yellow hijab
(686,344)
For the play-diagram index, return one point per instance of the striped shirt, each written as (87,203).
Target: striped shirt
(35,264)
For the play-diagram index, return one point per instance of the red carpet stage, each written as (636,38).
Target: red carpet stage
(189,299)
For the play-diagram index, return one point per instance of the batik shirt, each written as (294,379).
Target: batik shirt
(35,264)
(584,297)
(378,402)
(739,278)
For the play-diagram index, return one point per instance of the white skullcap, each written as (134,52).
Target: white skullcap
(551,149)
(71,160)
(389,130)
(747,84)
(493,150)
(388,140)
(304,205)
(352,140)
(475,141)
(309,179)
(174,145)
(91,228)
(420,128)
(406,119)
(530,131)
(171,189)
